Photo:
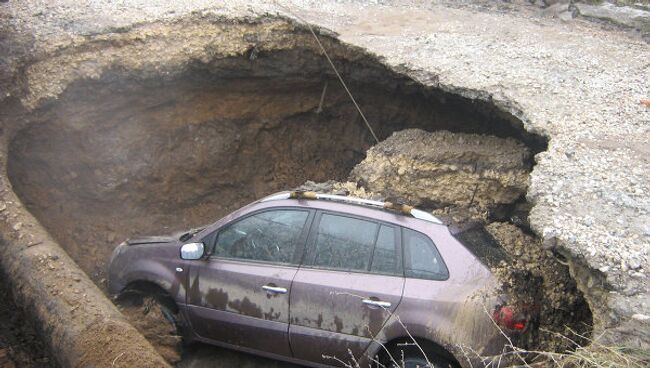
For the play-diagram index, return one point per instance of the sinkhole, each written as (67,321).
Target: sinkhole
(115,157)
(122,155)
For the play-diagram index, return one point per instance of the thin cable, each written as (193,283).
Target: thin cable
(334,68)
(392,167)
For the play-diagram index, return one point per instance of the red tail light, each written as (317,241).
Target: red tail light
(507,317)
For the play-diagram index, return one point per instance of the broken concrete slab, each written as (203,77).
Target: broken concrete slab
(441,169)
(622,15)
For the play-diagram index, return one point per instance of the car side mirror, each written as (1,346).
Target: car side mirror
(192,251)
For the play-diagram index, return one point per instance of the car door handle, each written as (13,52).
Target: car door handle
(376,303)
(274,289)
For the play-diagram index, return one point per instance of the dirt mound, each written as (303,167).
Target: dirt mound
(443,169)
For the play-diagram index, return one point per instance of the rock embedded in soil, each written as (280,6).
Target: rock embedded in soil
(440,169)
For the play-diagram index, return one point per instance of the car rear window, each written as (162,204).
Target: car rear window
(482,245)
(421,258)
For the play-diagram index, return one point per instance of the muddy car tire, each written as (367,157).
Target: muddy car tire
(157,318)
(411,357)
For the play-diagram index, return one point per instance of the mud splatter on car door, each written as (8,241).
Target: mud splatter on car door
(240,294)
(347,288)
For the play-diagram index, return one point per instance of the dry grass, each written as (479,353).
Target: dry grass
(602,356)
(593,354)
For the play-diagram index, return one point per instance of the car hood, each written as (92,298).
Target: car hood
(151,240)
(182,236)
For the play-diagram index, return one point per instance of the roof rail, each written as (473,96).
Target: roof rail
(399,207)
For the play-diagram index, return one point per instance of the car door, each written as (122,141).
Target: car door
(240,294)
(350,283)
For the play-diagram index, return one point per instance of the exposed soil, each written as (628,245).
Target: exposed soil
(538,278)
(444,169)
(115,348)
(21,345)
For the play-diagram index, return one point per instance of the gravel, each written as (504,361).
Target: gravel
(576,83)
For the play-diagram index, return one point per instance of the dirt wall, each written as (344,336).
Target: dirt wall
(68,308)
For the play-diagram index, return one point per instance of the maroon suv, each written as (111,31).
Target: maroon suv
(321,279)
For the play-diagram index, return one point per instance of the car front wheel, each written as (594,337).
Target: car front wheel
(156,319)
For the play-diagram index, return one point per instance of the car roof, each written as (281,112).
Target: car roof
(396,212)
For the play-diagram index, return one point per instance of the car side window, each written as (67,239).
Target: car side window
(421,258)
(270,236)
(344,243)
(385,258)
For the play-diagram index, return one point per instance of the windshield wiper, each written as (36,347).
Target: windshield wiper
(189,234)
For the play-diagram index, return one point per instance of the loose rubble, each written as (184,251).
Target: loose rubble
(536,274)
